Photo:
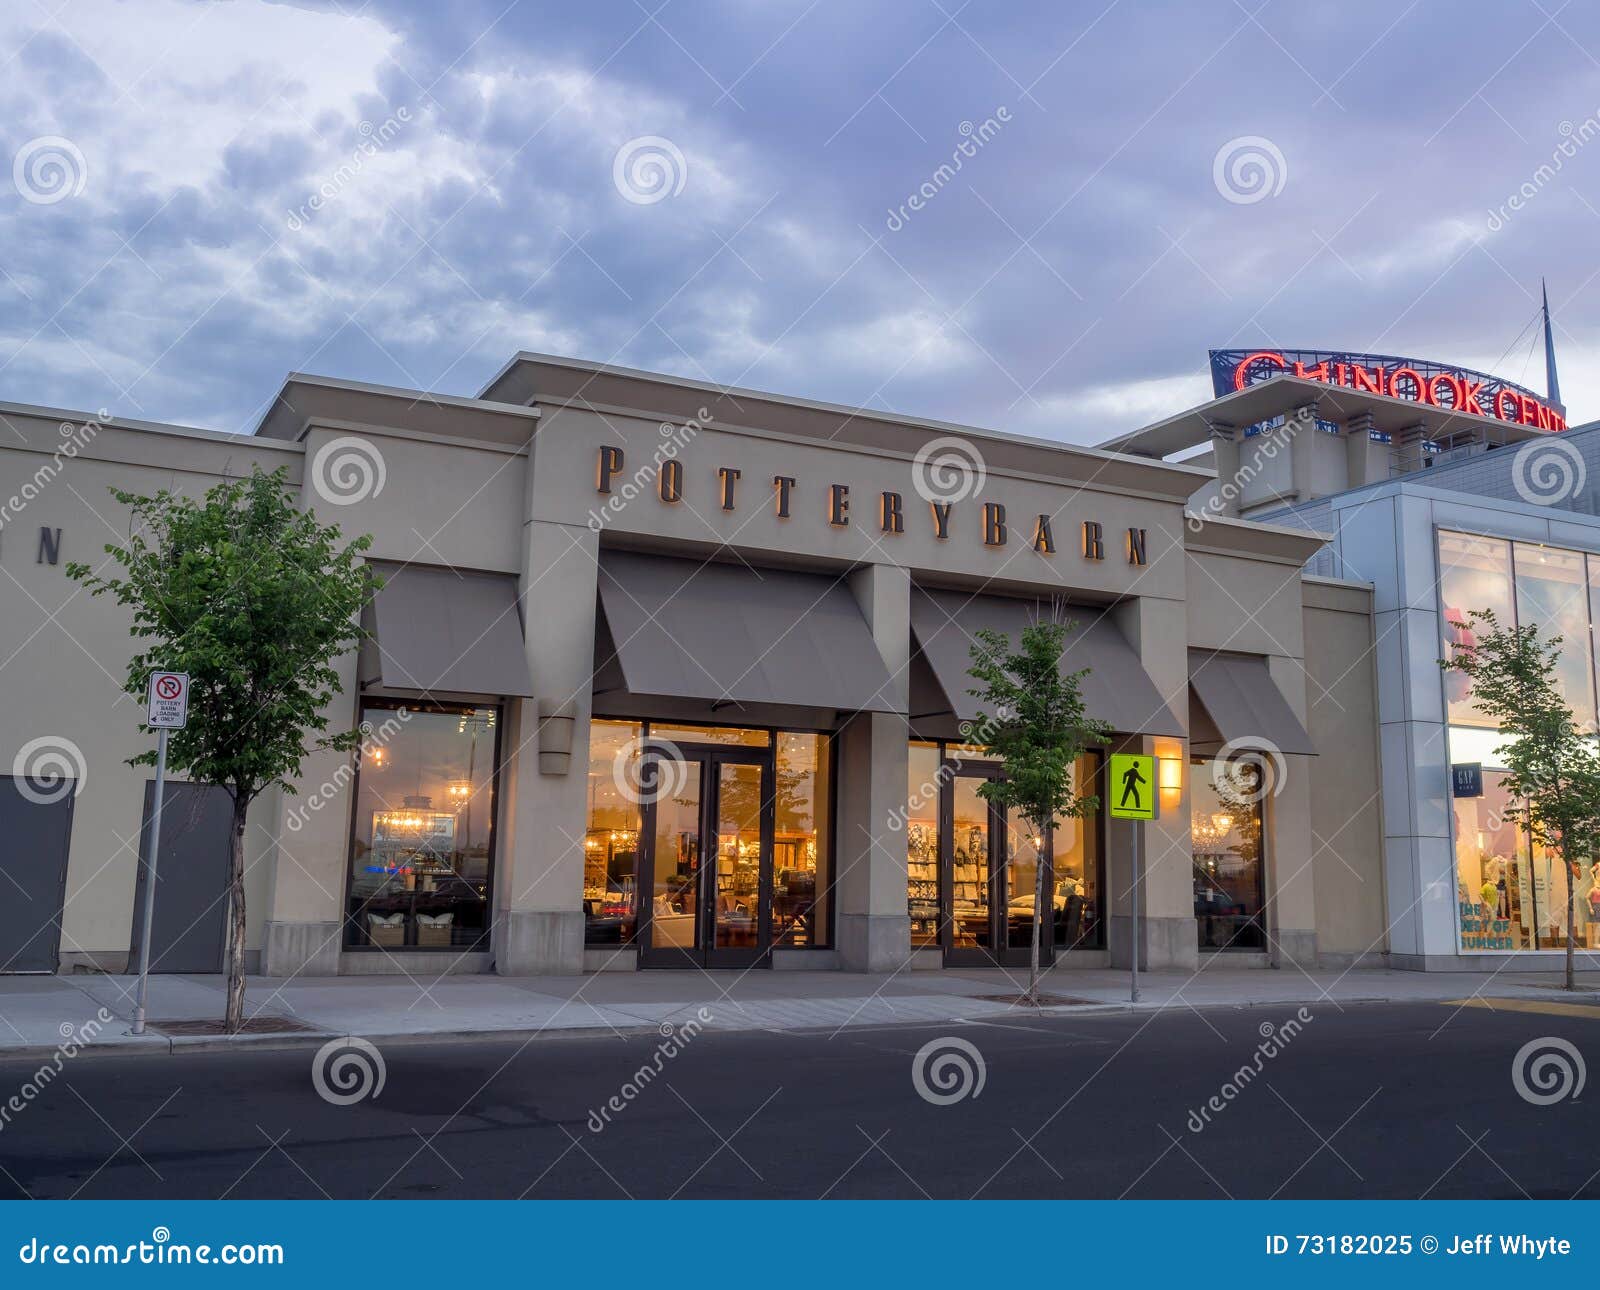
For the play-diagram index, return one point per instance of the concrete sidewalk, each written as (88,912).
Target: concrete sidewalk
(38,1014)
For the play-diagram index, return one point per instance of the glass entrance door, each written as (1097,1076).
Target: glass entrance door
(707,859)
(990,865)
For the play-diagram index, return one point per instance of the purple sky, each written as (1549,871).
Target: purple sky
(409,193)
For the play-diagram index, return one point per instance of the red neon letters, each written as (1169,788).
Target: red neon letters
(1454,390)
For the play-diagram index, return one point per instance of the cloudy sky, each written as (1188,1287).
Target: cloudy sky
(206,196)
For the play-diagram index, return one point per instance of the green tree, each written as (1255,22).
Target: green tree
(1552,766)
(1037,728)
(255,600)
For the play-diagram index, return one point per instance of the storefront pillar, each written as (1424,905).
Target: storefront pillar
(872,926)
(539,892)
(1291,848)
(304,929)
(1158,630)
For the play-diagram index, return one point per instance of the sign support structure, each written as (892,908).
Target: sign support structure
(168,710)
(1135,798)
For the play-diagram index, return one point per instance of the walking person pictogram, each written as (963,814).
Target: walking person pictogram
(1131,780)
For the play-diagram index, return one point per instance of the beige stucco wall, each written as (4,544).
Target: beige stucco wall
(64,653)
(1346,816)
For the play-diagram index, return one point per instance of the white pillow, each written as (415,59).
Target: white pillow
(393,920)
(436,920)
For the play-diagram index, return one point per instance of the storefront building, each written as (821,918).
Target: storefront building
(666,675)
(1442,512)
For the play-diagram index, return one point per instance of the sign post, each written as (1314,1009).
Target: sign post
(1134,797)
(168,709)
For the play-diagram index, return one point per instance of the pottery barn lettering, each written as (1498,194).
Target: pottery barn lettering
(992,529)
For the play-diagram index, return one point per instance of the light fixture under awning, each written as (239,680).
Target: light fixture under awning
(727,633)
(1244,704)
(448,631)
(1117,689)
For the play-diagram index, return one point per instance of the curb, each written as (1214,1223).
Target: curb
(156,1045)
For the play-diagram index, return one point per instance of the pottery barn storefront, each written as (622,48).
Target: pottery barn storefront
(665,675)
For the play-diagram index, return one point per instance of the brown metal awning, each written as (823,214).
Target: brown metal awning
(448,631)
(1244,704)
(1117,689)
(727,633)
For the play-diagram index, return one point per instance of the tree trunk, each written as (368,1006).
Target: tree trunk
(233,1020)
(1038,921)
(1572,931)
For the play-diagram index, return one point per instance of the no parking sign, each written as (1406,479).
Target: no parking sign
(169,701)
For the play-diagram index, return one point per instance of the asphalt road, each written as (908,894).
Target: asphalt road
(1370,1101)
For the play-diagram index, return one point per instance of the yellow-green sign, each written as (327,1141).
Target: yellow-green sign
(1132,787)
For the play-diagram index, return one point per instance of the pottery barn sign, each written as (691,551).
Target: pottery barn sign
(890,511)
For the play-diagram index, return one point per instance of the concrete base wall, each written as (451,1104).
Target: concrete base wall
(543,942)
(301,949)
(1165,942)
(610,958)
(424,964)
(873,942)
(1294,948)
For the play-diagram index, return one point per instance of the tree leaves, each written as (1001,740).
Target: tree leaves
(1036,726)
(256,601)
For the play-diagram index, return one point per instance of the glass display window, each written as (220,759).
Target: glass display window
(1226,840)
(724,735)
(1474,574)
(972,871)
(802,860)
(422,852)
(1552,589)
(611,834)
(922,842)
(1494,895)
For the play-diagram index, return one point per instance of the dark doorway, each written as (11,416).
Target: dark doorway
(35,832)
(191,910)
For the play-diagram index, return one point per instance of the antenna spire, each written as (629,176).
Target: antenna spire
(1552,387)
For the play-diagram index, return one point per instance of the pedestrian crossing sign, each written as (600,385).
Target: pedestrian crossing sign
(1132,789)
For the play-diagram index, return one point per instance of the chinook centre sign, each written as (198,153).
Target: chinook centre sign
(1457,388)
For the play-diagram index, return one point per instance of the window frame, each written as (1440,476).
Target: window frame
(349,928)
